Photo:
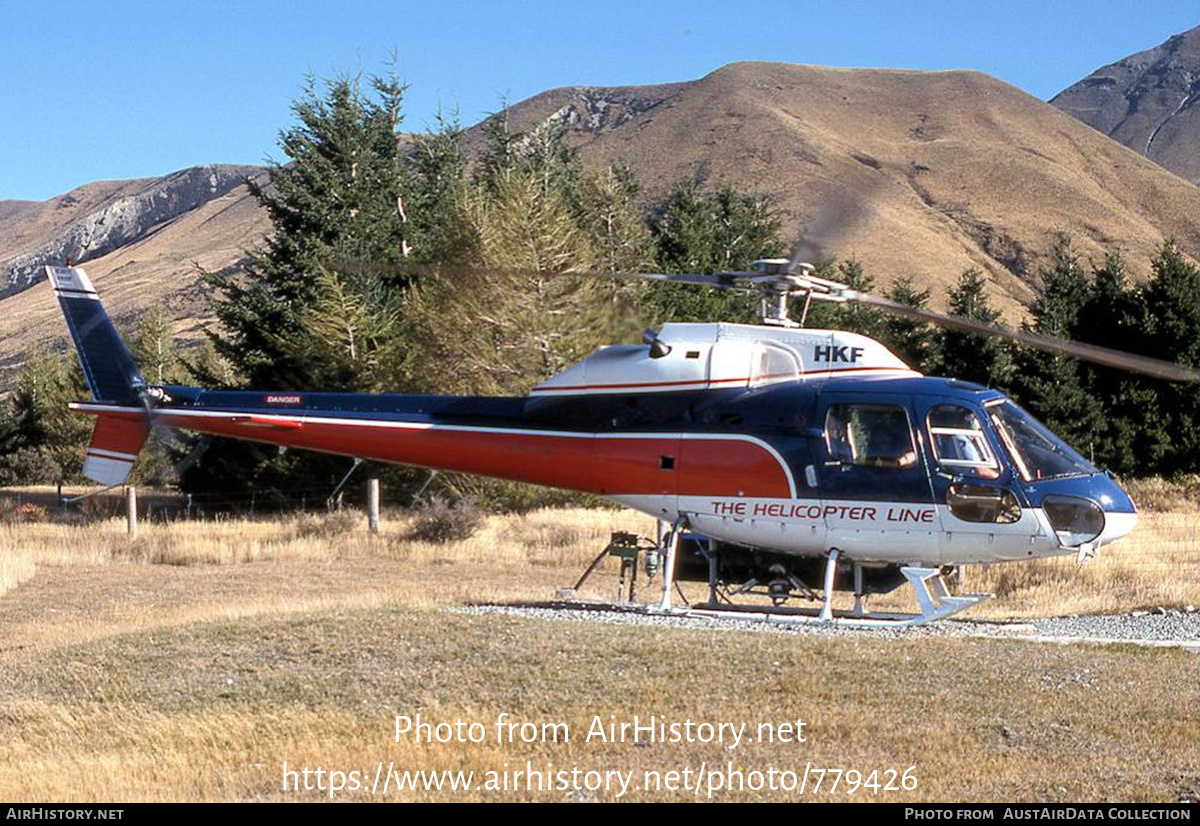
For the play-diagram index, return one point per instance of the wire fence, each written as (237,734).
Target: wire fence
(158,504)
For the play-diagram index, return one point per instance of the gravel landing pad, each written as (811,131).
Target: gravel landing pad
(1174,629)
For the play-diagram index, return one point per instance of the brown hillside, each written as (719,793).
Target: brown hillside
(160,266)
(928,173)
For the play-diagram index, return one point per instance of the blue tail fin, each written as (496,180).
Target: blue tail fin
(109,368)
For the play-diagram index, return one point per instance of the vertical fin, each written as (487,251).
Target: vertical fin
(111,373)
(109,368)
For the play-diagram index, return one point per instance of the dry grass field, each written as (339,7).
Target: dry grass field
(190,663)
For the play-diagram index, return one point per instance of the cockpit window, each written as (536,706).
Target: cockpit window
(959,444)
(870,435)
(1035,451)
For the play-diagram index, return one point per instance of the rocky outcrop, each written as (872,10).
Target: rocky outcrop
(1149,101)
(594,109)
(123,220)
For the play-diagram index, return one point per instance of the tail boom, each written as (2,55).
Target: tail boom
(606,464)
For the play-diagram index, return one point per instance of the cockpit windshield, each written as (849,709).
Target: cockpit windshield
(1035,451)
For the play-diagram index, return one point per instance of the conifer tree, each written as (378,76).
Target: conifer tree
(340,216)
(1113,317)
(38,421)
(153,346)
(1171,301)
(515,319)
(616,228)
(442,230)
(1051,384)
(972,357)
(916,343)
(833,316)
(699,233)
(339,198)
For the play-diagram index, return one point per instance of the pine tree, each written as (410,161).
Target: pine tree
(1112,317)
(1050,384)
(746,228)
(970,357)
(834,316)
(611,218)
(351,331)
(442,230)
(38,419)
(341,224)
(516,318)
(340,198)
(153,346)
(915,342)
(1172,331)
(698,233)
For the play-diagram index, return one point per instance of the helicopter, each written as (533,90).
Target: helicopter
(774,456)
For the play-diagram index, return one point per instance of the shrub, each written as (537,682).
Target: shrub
(442,521)
(327,526)
(28,466)
(30,512)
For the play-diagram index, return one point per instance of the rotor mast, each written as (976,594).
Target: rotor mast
(778,280)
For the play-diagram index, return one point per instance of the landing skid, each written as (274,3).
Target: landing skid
(935,603)
(933,599)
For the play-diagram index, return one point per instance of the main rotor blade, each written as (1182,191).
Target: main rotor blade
(841,293)
(720,280)
(1087,352)
(727,281)
(823,234)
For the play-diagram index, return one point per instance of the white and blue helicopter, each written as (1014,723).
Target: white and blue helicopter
(786,461)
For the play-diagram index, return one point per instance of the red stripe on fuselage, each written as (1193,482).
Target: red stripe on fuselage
(603,464)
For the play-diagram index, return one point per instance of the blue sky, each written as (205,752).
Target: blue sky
(94,90)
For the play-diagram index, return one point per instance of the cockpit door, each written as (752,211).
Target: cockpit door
(874,482)
(983,513)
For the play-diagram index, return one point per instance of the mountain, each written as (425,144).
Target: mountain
(141,241)
(919,173)
(1149,101)
(914,173)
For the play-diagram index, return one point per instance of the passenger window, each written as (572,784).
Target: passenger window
(870,435)
(959,444)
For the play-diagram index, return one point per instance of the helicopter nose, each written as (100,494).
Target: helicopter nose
(1116,525)
(1087,511)
(1120,514)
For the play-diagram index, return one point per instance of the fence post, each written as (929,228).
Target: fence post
(131,511)
(373,505)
